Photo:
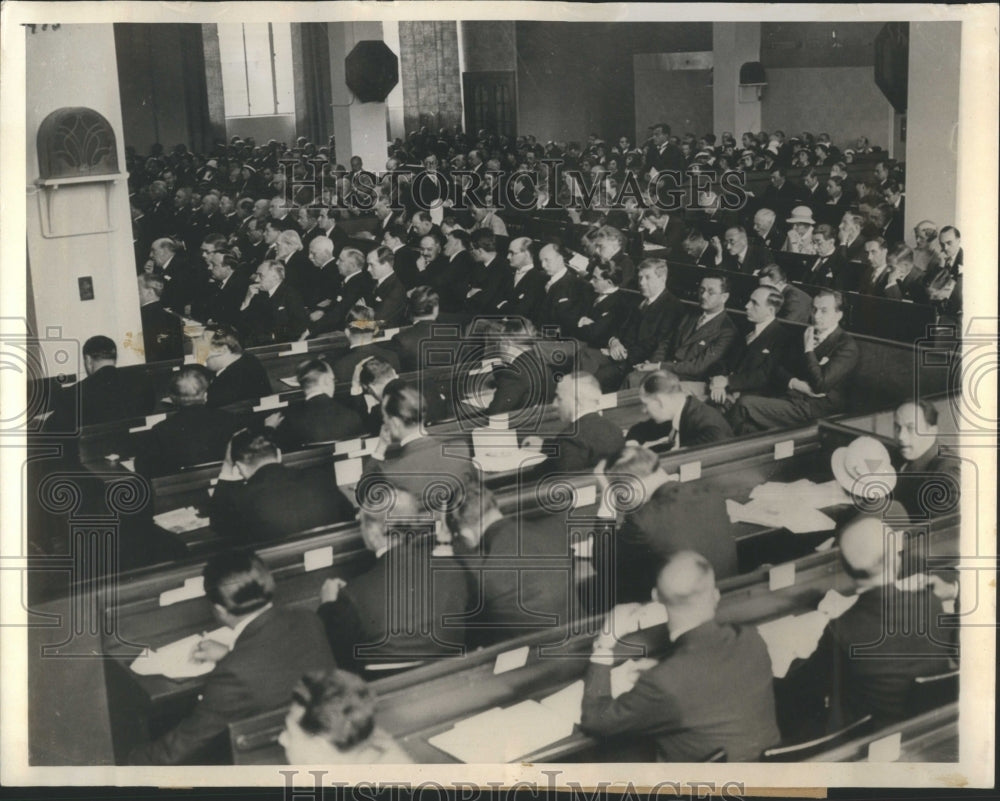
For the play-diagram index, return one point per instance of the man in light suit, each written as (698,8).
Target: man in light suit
(714,689)
(815,377)
(272,647)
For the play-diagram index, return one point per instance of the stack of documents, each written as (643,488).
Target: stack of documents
(504,735)
(187,518)
(175,659)
(802,493)
(795,506)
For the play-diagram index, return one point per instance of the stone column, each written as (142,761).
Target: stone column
(734,44)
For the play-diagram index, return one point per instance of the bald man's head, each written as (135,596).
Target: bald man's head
(867,551)
(687,580)
(576,395)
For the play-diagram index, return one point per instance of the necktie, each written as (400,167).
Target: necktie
(751,336)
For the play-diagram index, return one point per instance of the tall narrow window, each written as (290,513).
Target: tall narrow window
(257,69)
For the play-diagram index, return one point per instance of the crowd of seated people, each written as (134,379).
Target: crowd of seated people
(231,245)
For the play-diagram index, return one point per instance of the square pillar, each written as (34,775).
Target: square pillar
(360,128)
(733,44)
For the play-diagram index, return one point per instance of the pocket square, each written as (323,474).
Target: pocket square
(765,351)
(701,344)
(564,300)
(281,308)
(824,360)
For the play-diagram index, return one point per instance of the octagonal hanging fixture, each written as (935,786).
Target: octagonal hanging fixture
(372,71)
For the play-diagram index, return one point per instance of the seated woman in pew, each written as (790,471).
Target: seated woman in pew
(258,499)
(195,434)
(332,722)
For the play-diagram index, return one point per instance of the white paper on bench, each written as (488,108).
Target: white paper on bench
(389,333)
(347,471)
(784,450)
(128,464)
(317,558)
(151,420)
(487,442)
(608,401)
(886,749)
(193,587)
(348,445)
(180,520)
(174,659)
(690,471)
(579,262)
(270,402)
(504,735)
(297,347)
(290,381)
(567,703)
(511,660)
(585,496)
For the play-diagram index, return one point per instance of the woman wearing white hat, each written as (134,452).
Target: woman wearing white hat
(799,239)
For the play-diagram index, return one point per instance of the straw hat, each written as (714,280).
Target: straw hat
(801,214)
(864,469)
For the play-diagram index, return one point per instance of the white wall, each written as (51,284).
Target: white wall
(76,66)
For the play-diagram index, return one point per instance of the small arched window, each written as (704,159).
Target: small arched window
(76,143)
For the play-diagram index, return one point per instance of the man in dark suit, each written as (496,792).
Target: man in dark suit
(272,647)
(106,393)
(753,360)
(355,285)
(180,280)
(421,224)
(713,690)
(258,499)
(609,308)
(566,295)
(929,483)
(387,296)
(407,458)
(702,338)
(281,214)
(740,255)
(319,418)
(675,418)
(851,242)
(461,269)
(698,249)
(780,193)
(194,434)
(768,231)
(425,331)
(610,244)
(797,305)
(520,567)
(830,268)
(272,311)
(326,279)
(868,657)
(587,438)
(522,379)
(905,281)
(360,329)
(526,289)
(662,228)
(893,194)
(238,375)
(372,618)
(225,293)
(405,257)
(327,226)
(876,277)
(645,334)
(491,283)
(162,331)
(661,155)
(836,204)
(443,274)
(944,285)
(815,376)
